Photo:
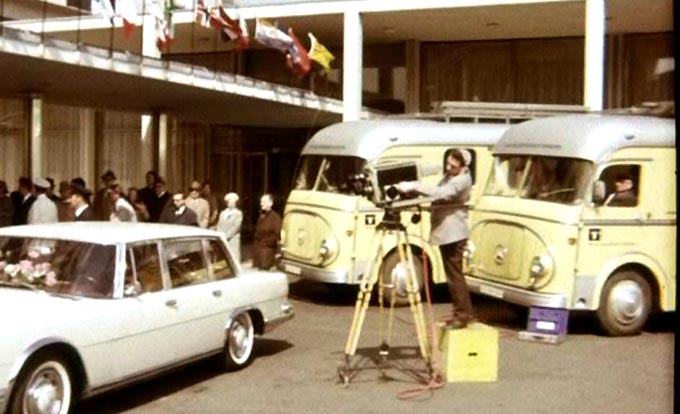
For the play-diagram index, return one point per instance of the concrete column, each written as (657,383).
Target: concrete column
(593,89)
(352,66)
(148,153)
(412,103)
(35,136)
(162,122)
(87,144)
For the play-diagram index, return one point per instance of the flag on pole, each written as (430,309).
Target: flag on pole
(319,53)
(128,11)
(202,14)
(103,8)
(163,16)
(271,36)
(235,30)
(297,56)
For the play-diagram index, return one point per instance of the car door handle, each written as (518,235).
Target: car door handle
(217,293)
(172,303)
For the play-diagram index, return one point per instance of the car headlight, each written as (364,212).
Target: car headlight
(540,271)
(329,249)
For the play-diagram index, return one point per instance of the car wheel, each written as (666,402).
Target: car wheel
(395,275)
(44,386)
(625,304)
(240,340)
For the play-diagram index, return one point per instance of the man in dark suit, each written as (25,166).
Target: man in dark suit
(80,201)
(22,200)
(267,231)
(161,201)
(180,213)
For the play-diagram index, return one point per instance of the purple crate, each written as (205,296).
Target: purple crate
(548,321)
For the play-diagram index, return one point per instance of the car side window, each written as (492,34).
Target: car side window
(472,166)
(186,262)
(143,259)
(219,261)
(622,184)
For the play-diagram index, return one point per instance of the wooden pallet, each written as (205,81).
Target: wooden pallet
(541,337)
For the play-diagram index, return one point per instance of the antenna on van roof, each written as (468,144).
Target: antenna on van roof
(491,112)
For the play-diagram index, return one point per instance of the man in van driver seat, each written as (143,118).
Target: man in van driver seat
(623,196)
(451,228)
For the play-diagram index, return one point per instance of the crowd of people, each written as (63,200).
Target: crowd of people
(36,201)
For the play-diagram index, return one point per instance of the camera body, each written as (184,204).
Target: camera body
(378,183)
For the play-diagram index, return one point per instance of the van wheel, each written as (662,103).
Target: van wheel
(44,386)
(395,278)
(625,304)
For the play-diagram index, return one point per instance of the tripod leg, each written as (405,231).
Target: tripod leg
(415,302)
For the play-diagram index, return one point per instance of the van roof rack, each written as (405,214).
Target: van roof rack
(491,112)
(663,109)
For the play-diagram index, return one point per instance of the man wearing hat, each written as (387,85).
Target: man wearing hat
(623,196)
(80,201)
(451,228)
(43,209)
(103,205)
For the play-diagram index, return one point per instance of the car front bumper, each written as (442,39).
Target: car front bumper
(516,295)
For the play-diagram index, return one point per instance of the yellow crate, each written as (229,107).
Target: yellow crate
(470,354)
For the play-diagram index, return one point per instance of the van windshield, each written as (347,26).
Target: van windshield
(328,173)
(552,179)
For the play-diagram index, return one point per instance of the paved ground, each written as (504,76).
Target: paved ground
(295,370)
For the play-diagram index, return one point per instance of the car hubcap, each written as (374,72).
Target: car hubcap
(627,302)
(45,393)
(240,339)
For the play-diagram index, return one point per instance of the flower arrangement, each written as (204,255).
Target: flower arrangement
(26,271)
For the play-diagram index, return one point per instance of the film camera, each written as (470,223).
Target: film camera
(378,184)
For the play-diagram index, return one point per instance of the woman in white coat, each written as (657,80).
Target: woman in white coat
(229,223)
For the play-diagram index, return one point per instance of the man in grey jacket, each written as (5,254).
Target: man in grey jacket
(451,228)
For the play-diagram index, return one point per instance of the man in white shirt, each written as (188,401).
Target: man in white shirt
(43,209)
(199,205)
(122,210)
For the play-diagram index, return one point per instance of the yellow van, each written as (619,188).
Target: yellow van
(327,230)
(551,230)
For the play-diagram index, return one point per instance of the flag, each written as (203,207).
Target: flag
(319,53)
(297,56)
(202,14)
(271,36)
(163,17)
(103,8)
(128,11)
(236,30)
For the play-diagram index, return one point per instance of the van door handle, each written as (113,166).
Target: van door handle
(217,293)
(171,303)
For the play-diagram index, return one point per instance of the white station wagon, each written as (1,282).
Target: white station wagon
(88,307)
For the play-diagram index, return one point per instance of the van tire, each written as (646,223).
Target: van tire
(625,304)
(391,264)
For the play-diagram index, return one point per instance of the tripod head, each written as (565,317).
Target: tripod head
(392,218)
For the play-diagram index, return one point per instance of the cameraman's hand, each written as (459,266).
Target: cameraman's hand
(406,186)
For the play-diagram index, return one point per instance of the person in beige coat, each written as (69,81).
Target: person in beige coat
(229,223)
(199,205)
(451,228)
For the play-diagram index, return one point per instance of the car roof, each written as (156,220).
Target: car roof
(367,139)
(590,137)
(106,233)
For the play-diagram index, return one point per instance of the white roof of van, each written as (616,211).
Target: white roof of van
(104,232)
(590,137)
(369,138)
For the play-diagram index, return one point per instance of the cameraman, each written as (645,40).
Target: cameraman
(450,228)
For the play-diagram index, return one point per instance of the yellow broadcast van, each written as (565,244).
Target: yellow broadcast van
(548,230)
(327,229)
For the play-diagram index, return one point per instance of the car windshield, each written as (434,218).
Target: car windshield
(327,173)
(551,179)
(57,266)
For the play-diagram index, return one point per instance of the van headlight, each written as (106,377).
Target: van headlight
(469,254)
(329,249)
(540,271)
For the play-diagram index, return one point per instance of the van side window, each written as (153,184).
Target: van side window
(472,167)
(622,184)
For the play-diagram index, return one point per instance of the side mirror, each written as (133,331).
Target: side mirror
(599,191)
